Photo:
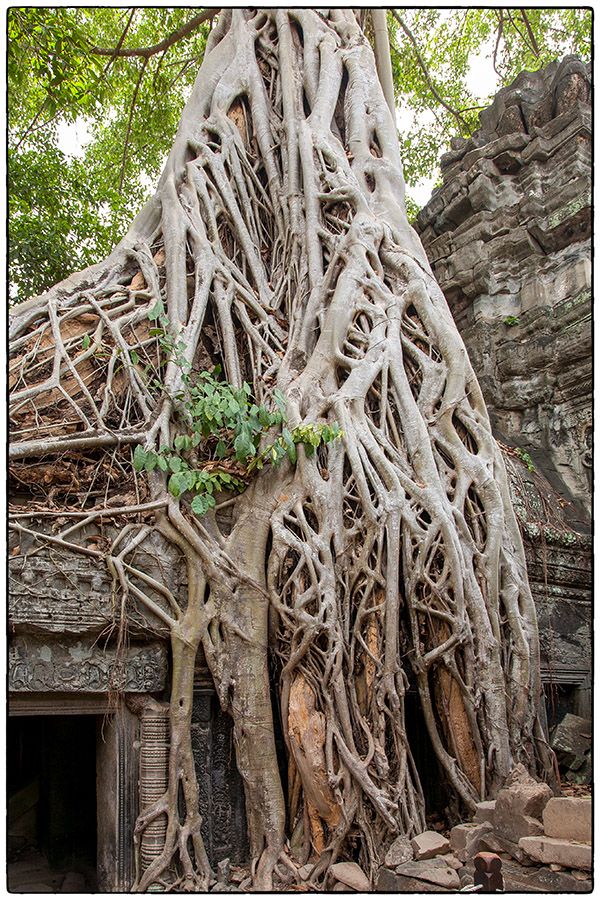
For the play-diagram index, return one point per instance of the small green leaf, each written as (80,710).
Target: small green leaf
(157,311)
(178,483)
(182,442)
(151,461)
(139,458)
(199,504)
(279,400)
(134,357)
(175,464)
(85,341)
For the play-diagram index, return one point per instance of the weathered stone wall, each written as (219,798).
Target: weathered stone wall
(508,238)
(70,652)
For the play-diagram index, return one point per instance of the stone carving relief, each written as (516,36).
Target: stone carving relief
(65,593)
(154,755)
(35,665)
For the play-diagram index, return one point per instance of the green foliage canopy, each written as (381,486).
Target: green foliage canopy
(125,74)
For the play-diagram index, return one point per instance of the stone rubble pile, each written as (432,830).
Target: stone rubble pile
(544,843)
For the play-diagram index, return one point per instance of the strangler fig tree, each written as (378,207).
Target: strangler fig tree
(277,248)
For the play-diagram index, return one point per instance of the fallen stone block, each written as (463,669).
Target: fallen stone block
(484,811)
(431,870)
(351,874)
(304,872)
(400,851)
(568,817)
(465,840)
(571,741)
(579,876)
(459,836)
(517,806)
(495,843)
(451,860)
(583,773)
(519,775)
(429,844)
(475,841)
(541,879)
(390,883)
(548,850)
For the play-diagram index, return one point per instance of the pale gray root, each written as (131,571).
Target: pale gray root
(279,243)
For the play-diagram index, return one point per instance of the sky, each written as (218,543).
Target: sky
(482,81)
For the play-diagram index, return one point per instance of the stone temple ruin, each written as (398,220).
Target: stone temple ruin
(508,237)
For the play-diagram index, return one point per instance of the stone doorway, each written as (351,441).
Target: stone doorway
(72,791)
(52,810)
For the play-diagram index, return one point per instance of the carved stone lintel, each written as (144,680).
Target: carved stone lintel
(37,665)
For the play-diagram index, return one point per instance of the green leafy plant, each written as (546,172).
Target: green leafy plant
(511,320)
(223,430)
(525,458)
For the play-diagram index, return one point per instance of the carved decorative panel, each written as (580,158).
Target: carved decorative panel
(75,598)
(37,665)
(154,755)
(219,782)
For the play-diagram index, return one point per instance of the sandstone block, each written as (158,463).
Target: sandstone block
(542,880)
(429,844)
(466,840)
(485,811)
(568,817)
(399,852)
(431,870)
(517,805)
(459,836)
(351,874)
(390,883)
(305,871)
(548,850)
(451,860)
(571,741)
(519,775)
(495,843)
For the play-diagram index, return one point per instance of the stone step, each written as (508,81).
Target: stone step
(571,854)
(568,817)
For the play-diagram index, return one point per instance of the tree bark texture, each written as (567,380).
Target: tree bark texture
(279,244)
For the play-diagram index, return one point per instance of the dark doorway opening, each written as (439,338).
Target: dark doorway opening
(51,787)
(560,700)
(426,761)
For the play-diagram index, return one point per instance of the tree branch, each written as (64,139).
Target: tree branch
(534,43)
(382,58)
(147,52)
(129,124)
(462,123)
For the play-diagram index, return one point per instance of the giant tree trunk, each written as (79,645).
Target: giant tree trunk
(278,241)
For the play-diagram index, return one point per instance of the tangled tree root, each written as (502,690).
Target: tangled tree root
(278,243)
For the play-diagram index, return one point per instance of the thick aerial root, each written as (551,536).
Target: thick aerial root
(388,561)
